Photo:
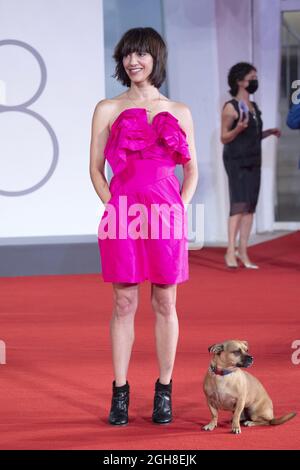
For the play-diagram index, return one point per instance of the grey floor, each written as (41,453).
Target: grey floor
(67,255)
(49,255)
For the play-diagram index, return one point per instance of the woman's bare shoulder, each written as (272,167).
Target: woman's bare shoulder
(182,112)
(108,104)
(229,110)
(108,108)
(179,109)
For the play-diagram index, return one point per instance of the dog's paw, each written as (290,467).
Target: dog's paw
(209,427)
(248,423)
(236,430)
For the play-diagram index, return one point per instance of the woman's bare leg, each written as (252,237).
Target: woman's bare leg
(163,299)
(122,328)
(234,223)
(245,230)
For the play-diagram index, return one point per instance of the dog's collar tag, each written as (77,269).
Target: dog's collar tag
(216,371)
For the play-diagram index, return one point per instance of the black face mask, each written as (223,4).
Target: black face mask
(252,87)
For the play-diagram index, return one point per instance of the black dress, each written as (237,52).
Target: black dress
(242,161)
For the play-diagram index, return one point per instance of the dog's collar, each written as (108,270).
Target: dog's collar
(217,371)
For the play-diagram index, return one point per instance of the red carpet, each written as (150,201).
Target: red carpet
(56,386)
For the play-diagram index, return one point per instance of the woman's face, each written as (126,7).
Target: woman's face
(250,76)
(138,66)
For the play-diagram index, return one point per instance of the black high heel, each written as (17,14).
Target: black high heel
(118,415)
(162,407)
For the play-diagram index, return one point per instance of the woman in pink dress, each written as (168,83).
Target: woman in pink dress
(143,231)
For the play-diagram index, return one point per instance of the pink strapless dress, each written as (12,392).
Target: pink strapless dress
(143,157)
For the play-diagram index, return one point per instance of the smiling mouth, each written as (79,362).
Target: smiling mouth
(135,70)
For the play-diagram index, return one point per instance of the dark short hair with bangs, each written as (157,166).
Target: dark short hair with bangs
(142,40)
(237,73)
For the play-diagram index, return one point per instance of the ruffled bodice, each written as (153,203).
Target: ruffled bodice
(132,137)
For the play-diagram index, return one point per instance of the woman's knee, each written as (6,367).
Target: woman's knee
(125,305)
(164,307)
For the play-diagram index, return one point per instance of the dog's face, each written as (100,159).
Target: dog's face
(232,353)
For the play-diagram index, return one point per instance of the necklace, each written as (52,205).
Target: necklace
(147,109)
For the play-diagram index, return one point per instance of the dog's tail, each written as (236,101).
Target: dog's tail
(282,419)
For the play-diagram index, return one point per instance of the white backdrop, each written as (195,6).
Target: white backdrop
(69,37)
(205,39)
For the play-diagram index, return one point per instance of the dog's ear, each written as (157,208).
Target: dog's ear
(216,348)
(245,343)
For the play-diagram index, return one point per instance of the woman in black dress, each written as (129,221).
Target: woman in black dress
(241,135)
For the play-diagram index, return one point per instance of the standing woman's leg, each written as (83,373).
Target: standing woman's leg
(245,230)
(163,300)
(253,185)
(122,328)
(122,337)
(234,223)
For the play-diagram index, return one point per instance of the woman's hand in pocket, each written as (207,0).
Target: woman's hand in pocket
(185,204)
(107,202)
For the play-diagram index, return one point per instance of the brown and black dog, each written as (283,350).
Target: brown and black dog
(227,387)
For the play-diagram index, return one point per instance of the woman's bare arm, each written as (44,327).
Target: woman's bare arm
(99,135)
(229,115)
(190,169)
(274,131)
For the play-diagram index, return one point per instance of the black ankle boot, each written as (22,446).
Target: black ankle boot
(162,407)
(119,405)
